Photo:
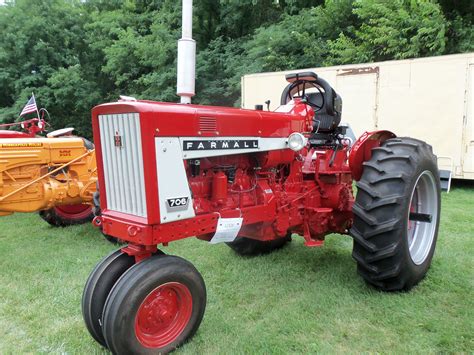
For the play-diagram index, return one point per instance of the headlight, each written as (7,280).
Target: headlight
(296,141)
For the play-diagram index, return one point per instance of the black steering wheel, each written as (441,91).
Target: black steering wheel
(299,88)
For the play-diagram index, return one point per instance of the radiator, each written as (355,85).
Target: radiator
(122,156)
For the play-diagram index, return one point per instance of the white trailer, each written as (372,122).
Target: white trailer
(427,98)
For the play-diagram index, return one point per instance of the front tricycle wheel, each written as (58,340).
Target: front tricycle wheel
(97,288)
(396,214)
(155,307)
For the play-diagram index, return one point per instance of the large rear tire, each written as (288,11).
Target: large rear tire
(250,247)
(156,306)
(396,214)
(97,288)
(67,215)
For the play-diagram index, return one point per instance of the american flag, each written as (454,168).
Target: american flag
(30,106)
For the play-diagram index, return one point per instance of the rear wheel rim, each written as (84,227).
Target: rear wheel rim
(79,211)
(423,204)
(163,315)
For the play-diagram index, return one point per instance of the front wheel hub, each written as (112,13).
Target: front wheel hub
(163,315)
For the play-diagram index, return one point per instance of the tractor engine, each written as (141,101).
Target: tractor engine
(41,173)
(283,191)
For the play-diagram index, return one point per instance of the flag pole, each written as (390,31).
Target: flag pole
(37,111)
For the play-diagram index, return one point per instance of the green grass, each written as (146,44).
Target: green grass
(295,300)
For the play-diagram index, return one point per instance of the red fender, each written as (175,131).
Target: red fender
(13,134)
(362,150)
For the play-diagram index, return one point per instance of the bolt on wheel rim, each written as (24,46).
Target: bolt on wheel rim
(163,315)
(422,217)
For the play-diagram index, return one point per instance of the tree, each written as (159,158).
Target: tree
(395,29)
(72,97)
(218,72)
(37,39)
(237,19)
(75,54)
(454,8)
(297,41)
(460,35)
(137,46)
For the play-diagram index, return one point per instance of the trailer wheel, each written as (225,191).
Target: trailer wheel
(250,247)
(97,288)
(396,214)
(156,306)
(67,215)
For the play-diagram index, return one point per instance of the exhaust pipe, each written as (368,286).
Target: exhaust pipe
(185,87)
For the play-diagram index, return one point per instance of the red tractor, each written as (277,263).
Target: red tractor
(252,179)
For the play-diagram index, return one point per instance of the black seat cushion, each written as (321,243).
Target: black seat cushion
(323,122)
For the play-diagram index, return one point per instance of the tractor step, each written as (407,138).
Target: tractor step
(314,243)
(445,180)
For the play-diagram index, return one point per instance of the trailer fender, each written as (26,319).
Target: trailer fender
(362,150)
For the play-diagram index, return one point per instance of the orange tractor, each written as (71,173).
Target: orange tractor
(55,175)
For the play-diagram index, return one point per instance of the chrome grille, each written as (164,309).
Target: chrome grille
(122,157)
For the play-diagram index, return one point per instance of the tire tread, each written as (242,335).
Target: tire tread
(378,218)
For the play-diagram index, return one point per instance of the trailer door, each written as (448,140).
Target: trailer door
(358,89)
(468,134)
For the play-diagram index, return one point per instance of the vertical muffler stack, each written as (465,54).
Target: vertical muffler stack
(186,56)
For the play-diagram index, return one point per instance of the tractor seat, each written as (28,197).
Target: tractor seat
(323,121)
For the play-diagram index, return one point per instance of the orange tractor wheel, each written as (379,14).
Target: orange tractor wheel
(67,215)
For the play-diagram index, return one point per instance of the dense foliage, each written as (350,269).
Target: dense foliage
(75,54)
